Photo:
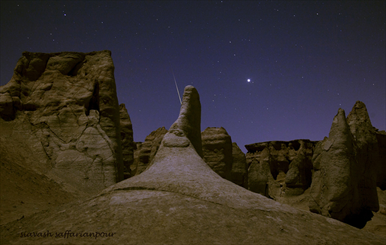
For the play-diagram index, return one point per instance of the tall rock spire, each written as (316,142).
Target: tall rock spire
(343,185)
(189,120)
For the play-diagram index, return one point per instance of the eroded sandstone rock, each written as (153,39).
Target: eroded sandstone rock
(147,150)
(344,181)
(239,172)
(180,200)
(128,145)
(64,107)
(217,150)
(280,168)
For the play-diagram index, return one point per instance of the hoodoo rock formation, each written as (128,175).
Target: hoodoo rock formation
(180,200)
(341,177)
(345,164)
(62,109)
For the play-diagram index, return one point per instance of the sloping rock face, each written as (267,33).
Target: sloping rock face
(128,145)
(63,108)
(147,150)
(344,182)
(280,168)
(23,191)
(180,200)
(223,156)
(217,150)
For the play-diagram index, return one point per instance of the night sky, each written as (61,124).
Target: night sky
(265,70)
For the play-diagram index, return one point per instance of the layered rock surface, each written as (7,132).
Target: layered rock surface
(180,200)
(63,109)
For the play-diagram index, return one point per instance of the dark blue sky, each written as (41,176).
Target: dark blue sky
(304,59)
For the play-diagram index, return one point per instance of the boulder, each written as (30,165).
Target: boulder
(180,200)
(63,108)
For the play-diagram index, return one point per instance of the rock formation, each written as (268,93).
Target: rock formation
(381,166)
(180,200)
(128,145)
(217,150)
(147,150)
(239,172)
(280,168)
(344,181)
(225,158)
(63,109)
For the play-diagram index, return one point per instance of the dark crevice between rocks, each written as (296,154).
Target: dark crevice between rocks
(94,101)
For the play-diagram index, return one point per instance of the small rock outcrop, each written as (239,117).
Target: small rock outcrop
(63,108)
(280,168)
(180,200)
(128,145)
(344,181)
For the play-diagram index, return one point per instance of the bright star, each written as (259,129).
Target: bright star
(248,80)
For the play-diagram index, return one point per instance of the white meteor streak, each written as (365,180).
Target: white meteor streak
(175,82)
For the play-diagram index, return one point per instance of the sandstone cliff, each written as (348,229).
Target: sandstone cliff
(61,110)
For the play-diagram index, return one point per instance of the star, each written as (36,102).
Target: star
(248,80)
